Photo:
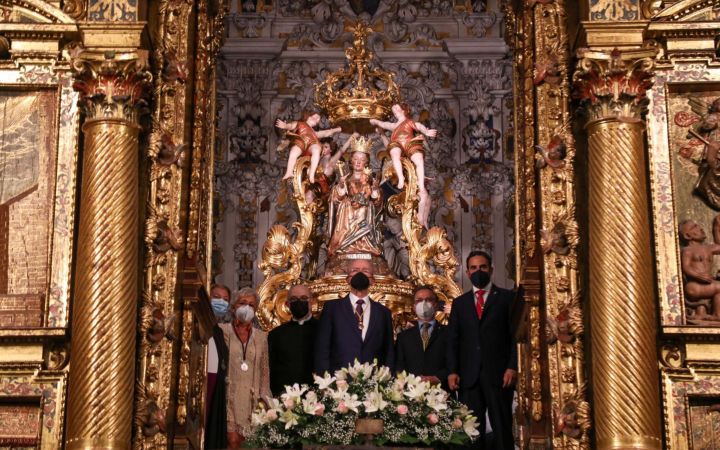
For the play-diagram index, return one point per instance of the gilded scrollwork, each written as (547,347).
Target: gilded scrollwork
(672,355)
(163,237)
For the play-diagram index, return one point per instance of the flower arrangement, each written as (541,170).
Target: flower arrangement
(413,411)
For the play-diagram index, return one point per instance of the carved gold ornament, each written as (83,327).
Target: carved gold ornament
(352,95)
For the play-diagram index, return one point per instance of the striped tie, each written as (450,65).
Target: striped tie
(425,335)
(359,313)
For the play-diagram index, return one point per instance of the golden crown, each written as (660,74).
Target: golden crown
(361,144)
(352,95)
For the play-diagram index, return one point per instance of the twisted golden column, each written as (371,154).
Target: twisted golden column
(622,303)
(102,375)
(623,317)
(100,400)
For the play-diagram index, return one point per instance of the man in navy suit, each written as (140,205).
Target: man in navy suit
(482,355)
(421,350)
(354,327)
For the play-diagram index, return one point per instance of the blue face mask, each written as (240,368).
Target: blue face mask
(219,306)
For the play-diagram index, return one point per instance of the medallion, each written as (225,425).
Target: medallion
(244,367)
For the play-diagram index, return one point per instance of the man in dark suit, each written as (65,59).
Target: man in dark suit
(354,327)
(291,345)
(482,355)
(420,350)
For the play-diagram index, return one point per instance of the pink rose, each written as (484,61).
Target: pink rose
(289,403)
(432,418)
(457,423)
(271,415)
(320,410)
(342,407)
(341,384)
(402,410)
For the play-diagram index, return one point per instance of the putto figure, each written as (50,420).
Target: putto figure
(702,289)
(404,141)
(304,141)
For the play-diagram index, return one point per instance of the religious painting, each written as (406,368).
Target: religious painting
(28,159)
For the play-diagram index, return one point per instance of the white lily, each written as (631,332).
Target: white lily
(383,374)
(324,382)
(289,418)
(293,394)
(374,402)
(436,400)
(417,391)
(470,426)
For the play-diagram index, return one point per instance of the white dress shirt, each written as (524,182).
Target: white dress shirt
(487,289)
(366,311)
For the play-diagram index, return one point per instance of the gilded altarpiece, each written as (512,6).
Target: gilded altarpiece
(681,138)
(452,66)
(39,127)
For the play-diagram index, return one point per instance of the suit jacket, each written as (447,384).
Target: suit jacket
(487,343)
(410,356)
(339,341)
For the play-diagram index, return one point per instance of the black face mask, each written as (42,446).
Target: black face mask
(480,278)
(359,282)
(299,309)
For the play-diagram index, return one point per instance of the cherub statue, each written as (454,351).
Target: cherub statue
(304,141)
(702,290)
(405,142)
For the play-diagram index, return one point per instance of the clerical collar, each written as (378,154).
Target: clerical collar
(303,320)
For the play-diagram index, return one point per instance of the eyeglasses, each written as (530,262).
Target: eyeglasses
(304,298)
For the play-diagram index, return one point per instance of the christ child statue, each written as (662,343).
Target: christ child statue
(304,141)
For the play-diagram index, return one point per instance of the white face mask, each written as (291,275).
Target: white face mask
(244,313)
(425,310)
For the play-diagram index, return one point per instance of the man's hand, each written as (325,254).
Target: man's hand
(454,381)
(509,377)
(430,378)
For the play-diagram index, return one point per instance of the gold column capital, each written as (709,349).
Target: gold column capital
(112,85)
(614,84)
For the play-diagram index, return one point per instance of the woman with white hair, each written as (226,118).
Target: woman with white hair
(248,379)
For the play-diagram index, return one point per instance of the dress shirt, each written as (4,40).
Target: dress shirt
(303,320)
(366,311)
(430,330)
(487,289)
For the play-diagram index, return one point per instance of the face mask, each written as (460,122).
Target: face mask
(299,309)
(360,282)
(480,279)
(424,310)
(244,313)
(219,306)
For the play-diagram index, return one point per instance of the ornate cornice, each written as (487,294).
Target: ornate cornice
(113,85)
(614,84)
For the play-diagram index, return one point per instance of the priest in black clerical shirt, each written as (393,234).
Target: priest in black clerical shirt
(291,344)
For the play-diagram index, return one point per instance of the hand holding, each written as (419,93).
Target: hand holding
(509,377)
(454,381)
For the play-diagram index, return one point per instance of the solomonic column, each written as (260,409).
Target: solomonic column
(112,88)
(626,394)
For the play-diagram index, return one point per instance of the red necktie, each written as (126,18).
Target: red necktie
(479,302)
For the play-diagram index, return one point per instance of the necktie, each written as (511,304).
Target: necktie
(425,335)
(359,312)
(479,302)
